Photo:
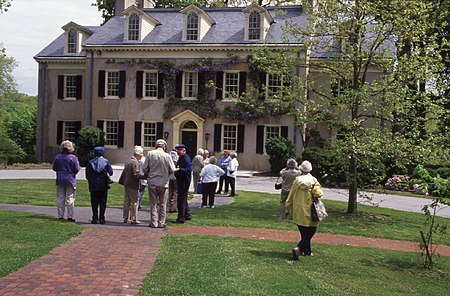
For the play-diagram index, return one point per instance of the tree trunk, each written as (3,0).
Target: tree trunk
(353,186)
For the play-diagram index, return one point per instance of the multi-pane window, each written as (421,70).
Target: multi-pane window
(70,130)
(192,27)
(270,132)
(190,84)
(229,137)
(231,84)
(72,41)
(133,27)
(151,84)
(112,133)
(70,89)
(149,134)
(254,26)
(112,84)
(274,83)
(338,86)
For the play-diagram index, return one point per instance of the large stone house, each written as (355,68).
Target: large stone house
(163,73)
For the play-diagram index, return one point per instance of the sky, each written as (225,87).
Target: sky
(30,25)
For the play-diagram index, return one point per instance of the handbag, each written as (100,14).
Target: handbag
(199,188)
(278,184)
(318,211)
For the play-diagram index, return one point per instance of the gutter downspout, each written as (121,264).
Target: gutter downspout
(91,89)
(41,110)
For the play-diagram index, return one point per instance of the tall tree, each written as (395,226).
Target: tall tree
(107,8)
(4,5)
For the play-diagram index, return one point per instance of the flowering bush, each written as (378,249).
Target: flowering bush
(398,183)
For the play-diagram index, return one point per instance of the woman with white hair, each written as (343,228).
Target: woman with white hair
(66,166)
(304,188)
(232,173)
(288,175)
(210,176)
(197,166)
(130,180)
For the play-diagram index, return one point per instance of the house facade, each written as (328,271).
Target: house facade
(165,73)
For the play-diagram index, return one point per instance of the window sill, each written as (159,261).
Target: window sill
(69,99)
(149,99)
(189,99)
(111,98)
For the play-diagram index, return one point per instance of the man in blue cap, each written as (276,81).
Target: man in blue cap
(183,173)
(97,171)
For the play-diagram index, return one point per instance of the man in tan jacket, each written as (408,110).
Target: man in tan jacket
(130,180)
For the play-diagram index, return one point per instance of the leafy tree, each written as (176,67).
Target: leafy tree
(7,65)
(107,7)
(9,149)
(279,150)
(88,138)
(4,5)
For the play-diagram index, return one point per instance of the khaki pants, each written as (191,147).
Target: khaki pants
(130,204)
(173,192)
(283,198)
(157,206)
(65,194)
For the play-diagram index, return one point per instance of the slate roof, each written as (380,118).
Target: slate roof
(228,30)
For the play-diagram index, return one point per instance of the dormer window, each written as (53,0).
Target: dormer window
(192,26)
(133,27)
(254,26)
(72,41)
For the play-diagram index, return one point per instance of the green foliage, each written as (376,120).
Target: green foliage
(9,149)
(88,138)
(107,7)
(7,65)
(4,5)
(179,3)
(279,150)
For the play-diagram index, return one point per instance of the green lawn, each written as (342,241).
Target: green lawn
(25,237)
(202,265)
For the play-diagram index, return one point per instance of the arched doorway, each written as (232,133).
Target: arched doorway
(189,137)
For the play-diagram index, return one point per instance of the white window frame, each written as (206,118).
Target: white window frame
(150,126)
(134,27)
(72,45)
(194,86)
(226,95)
(266,135)
(340,86)
(145,85)
(108,95)
(271,87)
(226,139)
(254,25)
(67,95)
(69,132)
(111,132)
(192,27)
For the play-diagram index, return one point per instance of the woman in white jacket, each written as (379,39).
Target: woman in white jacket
(232,172)
(210,175)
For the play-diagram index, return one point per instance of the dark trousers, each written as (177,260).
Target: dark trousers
(232,182)
(209,190)
(182,204)
(99,199)
(222,179)
(306,234)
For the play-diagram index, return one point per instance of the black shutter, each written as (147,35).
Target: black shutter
(217,137)
(60,88)
(59,132)
(77,128)
(201,84)
(101,83)
(159,130)
(121,134)
(178,84)
(160,85)
(242,82)
(122,83)
(219,85)
(284,131)
(79,87)
(137,132)
(100,124)
(139,85)
(260,139)
(240,138)
(262,85)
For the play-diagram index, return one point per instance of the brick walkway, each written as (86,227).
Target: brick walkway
(115,260)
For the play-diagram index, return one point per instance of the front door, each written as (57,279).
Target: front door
(189,138)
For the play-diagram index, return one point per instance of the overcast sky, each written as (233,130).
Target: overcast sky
(30,25)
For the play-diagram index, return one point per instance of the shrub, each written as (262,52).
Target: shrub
(279,150)
(88,138)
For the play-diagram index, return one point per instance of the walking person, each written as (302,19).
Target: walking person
(130,180)
(97,171)
(223,163)
(304,188)
(158,167)
(173,192)
(210,175)
(142,182)
(66,166)
(232,173)
(288,175)
(197,166)
(183,173)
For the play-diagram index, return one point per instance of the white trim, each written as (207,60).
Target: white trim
(183,86)
(105,121)
(144,97)
(265,134)
(223,137)
(142,134)
(65,97)
(224,97)
(108,97)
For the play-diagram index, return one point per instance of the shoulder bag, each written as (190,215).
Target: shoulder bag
(278,184)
